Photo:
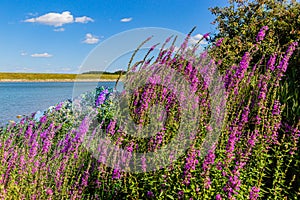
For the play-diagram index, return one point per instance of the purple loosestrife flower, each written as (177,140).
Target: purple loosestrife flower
(190,164)
(116,174)
(168,39)
(254,69)
(29,130)
(276,108)
(180,194)
(153,47)
(207,182)
(47,145)
(219,166)
(244,118)
(66,143)
(130,147)
(154,79)
(239,166)
(284,62)
(84,126)
(218,197)
(219,42)
(44,134)
(231,144)
(185,43)
(232,186)
(253,138)
(206,35)
(47,137)
(59,106)
(229,76)
(244,63)
(187,179)
(60,172)
(254,193)
(209,160)
(8,143)
(235,79)
(188,69)
(84,180)
(295,134)
(49,192)
(33,149)
(43,119)
(21,164)
(194,80)
(261,34)
(263,90)
(271,62)
(101,98)
(150,194)
(11,165)
(111,128)
(35,166)
(257,119)
(159,139)
(191,161)
(144,164)
(102,147)
(83,129)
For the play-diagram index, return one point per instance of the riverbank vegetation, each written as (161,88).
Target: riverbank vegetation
(230,129)
(56,77)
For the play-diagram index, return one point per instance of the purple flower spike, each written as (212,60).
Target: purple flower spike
(219,42)
(49,192)
(43,119)
(206,35)
(150,194)
(261,34)
(101,98)
(144,164)
(116,174)
(180,193)
(218,197)
(254,193)
(59,106)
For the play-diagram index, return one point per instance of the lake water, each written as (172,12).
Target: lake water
(26,98)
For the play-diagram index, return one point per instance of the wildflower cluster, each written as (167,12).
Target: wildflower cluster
(255,155)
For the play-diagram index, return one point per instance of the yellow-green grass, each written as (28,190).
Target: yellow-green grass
(43,76)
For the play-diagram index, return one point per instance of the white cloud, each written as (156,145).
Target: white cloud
(91,39)
(23,53)
(83,19)
(126,19)
(66,69)
(20,69)
(53,19)
(27,69)
(33,14)
(59,29)
(58,19)
(194,39)
(41,55)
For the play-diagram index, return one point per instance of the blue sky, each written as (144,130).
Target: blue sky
(57,35)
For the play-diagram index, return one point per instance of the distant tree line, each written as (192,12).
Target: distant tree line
(118,72)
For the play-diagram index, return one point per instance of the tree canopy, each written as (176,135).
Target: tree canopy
(238,24)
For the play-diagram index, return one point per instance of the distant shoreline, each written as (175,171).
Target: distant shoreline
(54,80)
(36,77)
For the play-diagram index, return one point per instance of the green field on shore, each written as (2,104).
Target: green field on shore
(44,76)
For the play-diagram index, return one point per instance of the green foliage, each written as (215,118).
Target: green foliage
(240,21)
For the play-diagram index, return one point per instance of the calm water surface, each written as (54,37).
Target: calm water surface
(26,98)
